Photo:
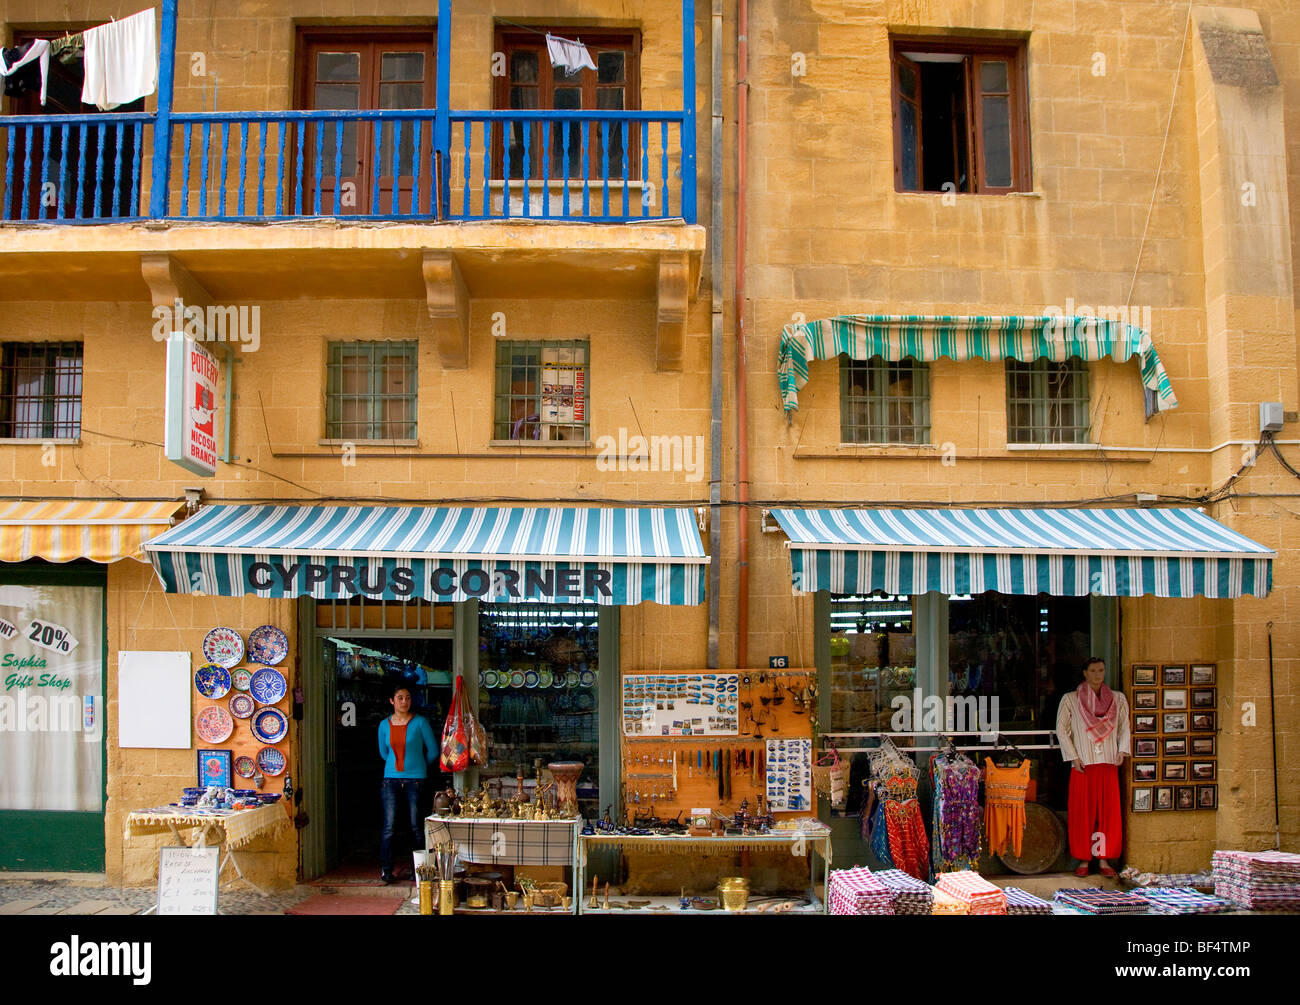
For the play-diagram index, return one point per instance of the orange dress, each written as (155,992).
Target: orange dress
(1004,805)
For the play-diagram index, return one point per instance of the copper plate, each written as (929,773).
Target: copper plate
(1043,843)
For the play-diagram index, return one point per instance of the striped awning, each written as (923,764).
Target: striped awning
(994,338)
(1063,552)
(63,530)
(438,553)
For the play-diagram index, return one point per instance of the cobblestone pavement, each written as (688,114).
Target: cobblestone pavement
(45,896)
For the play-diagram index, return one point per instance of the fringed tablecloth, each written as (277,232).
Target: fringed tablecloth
(233,828)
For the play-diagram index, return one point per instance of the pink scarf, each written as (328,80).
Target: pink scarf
(1099,726)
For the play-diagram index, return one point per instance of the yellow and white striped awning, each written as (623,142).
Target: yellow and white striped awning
(62,530)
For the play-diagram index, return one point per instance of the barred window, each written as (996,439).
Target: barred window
(40,390)
(541,391)
(1047,402)
(371,391)
(882,402)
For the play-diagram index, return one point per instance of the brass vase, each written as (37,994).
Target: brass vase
(446,896)
(426,896)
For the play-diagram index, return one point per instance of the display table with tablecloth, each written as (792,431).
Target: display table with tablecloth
(231,829)
(499,841)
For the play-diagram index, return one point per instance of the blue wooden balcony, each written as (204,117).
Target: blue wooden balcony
(429,165)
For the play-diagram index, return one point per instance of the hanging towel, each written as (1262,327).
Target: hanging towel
(11,60)
(121,61)
(573,56)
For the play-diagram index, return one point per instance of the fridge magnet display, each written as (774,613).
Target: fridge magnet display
(214,768)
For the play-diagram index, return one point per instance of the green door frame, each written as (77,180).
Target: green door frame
(54,840)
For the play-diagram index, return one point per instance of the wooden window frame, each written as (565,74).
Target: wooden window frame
(376,396)
(975,52)
(1043,429)
(878,427)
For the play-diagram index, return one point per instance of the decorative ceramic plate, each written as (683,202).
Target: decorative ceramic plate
(240,678)
(212,681)
(224,647)
(267,645)
(516,678)
(489,678)
(530,678)
(270,725)
(587,678)
(585,702)
(245,766)
(214,724)
(544,678)
(268,685)
(241,705)
(571,678)
(271,761)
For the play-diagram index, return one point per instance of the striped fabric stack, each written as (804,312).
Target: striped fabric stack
(974,890)
(1258,881)
(946,903)
(909,894)
(857,891)
(1095,900)
(1022,902)
(1181,900)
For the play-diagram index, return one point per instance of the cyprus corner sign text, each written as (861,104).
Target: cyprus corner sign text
(191,438)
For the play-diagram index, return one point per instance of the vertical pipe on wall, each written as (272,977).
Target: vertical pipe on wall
(715,346)
(742,398)
(162,129)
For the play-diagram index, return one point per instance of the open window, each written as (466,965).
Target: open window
(961,120)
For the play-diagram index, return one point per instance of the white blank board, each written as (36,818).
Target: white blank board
(153,700)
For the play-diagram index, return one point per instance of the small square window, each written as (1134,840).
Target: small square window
(371,391)
(40,390)
(1047,402)
(882,402)
(541,391)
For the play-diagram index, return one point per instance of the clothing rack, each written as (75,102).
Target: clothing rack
(1052,742)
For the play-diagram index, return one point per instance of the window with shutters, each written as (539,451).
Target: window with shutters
(371,391)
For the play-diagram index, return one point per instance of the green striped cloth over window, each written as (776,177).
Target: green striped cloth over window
(994,338)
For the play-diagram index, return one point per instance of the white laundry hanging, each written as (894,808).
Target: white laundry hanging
(39,49)
(573,56)
(121,61)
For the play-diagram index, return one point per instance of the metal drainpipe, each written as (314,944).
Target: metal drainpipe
(742,398)
(715,352)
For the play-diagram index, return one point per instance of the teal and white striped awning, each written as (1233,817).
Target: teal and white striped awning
(994,338)
(1063,552)
(438,553)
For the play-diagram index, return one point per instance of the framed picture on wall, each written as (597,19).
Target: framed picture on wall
(1144,674)
(1173,673)
(1174,697)
(1203,722)
(1203,697)
(1164,797)
(1174,771)
(214,768)
(1174,722)
(1144,771)
(1175,746)
(1203,771)
(1142,800)
(1145,747)
(1202,746)
(1202,673)
(1145,724)
(1185,797)
(1207,797)
(1146,699)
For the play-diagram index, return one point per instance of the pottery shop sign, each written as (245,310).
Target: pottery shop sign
(294,578)
(190,437)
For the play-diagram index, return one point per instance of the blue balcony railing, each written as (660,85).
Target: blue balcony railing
(419,165)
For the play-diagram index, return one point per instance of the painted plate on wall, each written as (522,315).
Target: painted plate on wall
(240,678)
(224,647)
(530,678)
(245,766)
(214,724)
(571,678)
(544,678)
(267,645)
(212,681)
(268,685)
(489,678)
(587,678)
(241,705)
(586,702)
(271,761)
(516,678)
(270,725)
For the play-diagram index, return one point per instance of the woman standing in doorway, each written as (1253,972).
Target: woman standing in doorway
(408,747)
(1092,725)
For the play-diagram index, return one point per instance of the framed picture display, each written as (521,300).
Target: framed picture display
(1146,724)
(1144,674)
(214,768)
(1144,771)
(1174,771)
(1146,699)
(1164,797)
(1207,797)
(1202,746)
(1175,746)
(1203,771)
(1201,673)
(1202,722)
(1174,697)
(1203,697)
(1173,673)
(1146,747)
(1142,800)
(1173,722)
(1185,797)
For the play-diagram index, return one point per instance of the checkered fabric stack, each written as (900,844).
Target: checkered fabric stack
(1095,900)
(946,903)
(909,894)
(1022,902)
(1181,900)
(1259,881)
(973,889)
(858,891)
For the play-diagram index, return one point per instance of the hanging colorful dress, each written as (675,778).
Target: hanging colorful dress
(908,843)
(1004,805)
(956,813)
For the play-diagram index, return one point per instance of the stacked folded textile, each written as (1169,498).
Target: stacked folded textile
(1094,900)
(946,903)
(1260,881)
(857,891)
(973,889)
(909,894)
(1131,876)
(1181,900)
(1022,902)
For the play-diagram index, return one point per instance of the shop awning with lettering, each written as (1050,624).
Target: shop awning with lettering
(63,530)
(925,338)
(437,553)
(1062,552)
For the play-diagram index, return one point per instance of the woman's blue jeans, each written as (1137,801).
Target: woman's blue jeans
(401,816)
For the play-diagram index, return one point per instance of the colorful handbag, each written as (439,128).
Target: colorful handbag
(455,753)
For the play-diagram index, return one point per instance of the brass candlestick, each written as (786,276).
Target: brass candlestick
(593,903)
